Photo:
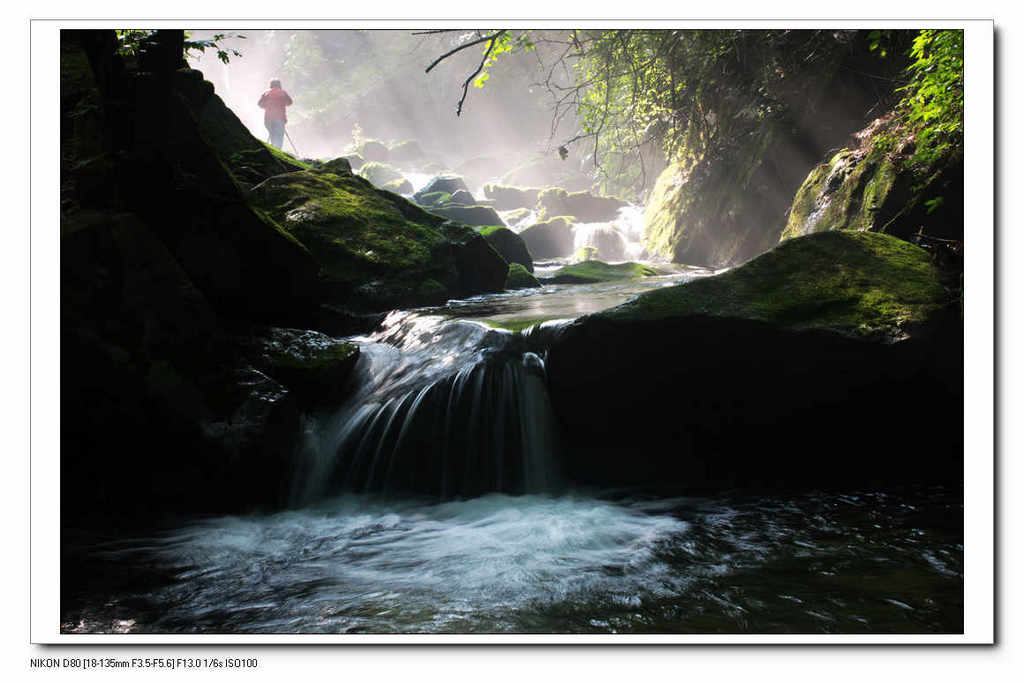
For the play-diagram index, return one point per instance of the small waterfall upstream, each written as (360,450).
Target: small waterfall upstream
(445,407)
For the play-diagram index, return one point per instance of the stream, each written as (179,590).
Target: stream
(432,502)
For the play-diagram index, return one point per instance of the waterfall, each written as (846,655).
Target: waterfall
(446,407)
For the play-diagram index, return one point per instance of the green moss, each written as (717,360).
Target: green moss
(599,271)
(586,253)
(861,284)
(287,159)
(486,230)
(520,278)
(355,232)
(325,358)
(435,198)
(518,324)
(379,173)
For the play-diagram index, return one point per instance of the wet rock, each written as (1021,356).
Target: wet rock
(552,239)
(469,215)
(510,245)
(832,360)
(520,278)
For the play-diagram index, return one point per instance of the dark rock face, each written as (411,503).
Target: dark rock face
(819,381)
(311,364)
(469,215)
(509,245)
(549,240)
(463,198)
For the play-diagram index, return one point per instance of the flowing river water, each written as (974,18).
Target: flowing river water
(431,502)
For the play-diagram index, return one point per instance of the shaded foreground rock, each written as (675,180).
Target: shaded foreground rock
(834,359)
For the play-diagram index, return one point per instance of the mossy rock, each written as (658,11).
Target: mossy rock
(374,248)
(338,166)
(313,365)
(379,173)
(510,245)
(516,216)
(608,242)
(552,239)
(432,198)
(597,271)
(714,213)
(469,215)
(400,186)
(449,184)
(846,193)
(520,278)
(862,285)
(462,198)
(587,208)
(585,253)
(507,197)
(825,362)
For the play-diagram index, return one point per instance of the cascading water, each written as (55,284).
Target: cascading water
(448,407)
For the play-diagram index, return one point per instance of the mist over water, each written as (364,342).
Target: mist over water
(377,79)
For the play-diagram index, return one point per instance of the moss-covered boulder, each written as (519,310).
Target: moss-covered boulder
(517,216)
(520,278)
(375,249)
(337,165)
(398,186)
(551,239)
(587,208)
(507,197)
(316,367)
(469,215)
(462,198)
(449,184)
(712,214)
(876,186)
(831,360)
(380,173)
(510,245)
(432,198)
(586,272)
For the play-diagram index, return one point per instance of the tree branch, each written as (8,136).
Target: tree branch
(471,43)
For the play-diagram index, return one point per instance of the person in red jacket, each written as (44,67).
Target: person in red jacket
(273,103)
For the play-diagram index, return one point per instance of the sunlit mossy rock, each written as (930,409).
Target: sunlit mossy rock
(516,216)
(586,272)
(586,207)
(714,214)
(832,360)
(510,245)
(449,184)
(506,197)
(520,278)
(379,173)
(551,239)
(469,215)
(398,186)
(875,186)
(375,249)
